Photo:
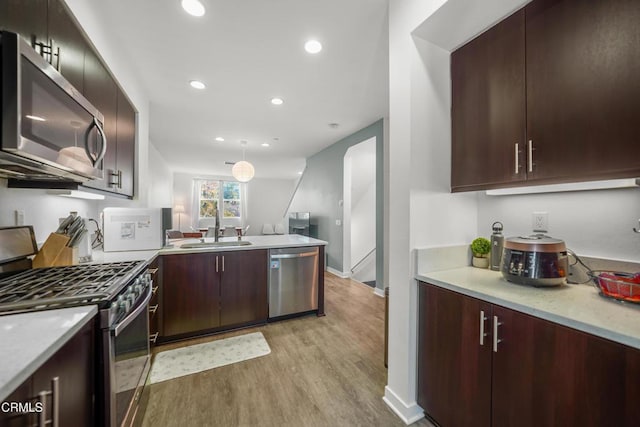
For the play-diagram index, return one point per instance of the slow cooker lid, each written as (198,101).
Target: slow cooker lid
(535,243)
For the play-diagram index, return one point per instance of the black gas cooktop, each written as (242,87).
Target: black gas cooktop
(56,287)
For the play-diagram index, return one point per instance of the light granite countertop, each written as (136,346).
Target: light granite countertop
(30,339)
(576,306)
(257,242)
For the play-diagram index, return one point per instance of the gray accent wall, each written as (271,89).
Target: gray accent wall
(321,193)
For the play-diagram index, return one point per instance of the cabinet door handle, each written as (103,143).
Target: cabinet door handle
(153,337)
(55,401)
(55,405)
(495,334)
(483,318)
(530,155)
(216,263)
(517,150)
(223,263)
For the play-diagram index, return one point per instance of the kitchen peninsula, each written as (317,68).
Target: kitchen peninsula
(208,287)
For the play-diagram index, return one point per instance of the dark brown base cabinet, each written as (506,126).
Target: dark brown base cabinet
(73,368)
(539,373)
(205,292)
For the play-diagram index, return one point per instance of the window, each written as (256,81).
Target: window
(215,193)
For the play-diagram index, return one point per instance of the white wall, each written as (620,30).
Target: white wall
(266,200)
(592,223)
(41,210)
(404,16)
(360,208)
(363,233)
(160,182)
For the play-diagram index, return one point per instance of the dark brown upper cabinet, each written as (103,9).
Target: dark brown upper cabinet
(65,35)
(583,89)
(559,79)
(121,176)
(27,18)
(488,107)
(49,22)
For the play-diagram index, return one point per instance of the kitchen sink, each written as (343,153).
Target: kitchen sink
(215,244)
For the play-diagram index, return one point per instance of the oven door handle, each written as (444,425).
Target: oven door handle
(125,322)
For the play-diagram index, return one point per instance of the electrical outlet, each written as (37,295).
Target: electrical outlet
(540,222)
(19,217)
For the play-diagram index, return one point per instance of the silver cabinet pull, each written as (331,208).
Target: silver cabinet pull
(223,263)
(517,171)
(483,318)
(42,419)
(216,263)
(55,401)
(153,337)
(55,405)
(495,334)
(530,155)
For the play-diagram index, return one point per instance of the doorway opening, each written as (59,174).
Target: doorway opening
(359,212)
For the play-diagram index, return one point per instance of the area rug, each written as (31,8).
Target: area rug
(201,357)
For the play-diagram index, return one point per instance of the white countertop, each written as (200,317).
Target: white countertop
(30,339)
(576,306)
(257,242)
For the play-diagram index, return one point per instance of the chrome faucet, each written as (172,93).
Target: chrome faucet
(217,228)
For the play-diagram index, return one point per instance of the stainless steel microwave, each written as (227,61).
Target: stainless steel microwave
(49,131)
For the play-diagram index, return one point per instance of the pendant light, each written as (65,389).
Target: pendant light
(243,171)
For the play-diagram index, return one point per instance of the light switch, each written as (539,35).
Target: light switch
(19,217)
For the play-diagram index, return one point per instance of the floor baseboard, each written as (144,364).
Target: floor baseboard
(341,274)
(407,413)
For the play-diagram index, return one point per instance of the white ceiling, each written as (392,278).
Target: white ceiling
(247,52)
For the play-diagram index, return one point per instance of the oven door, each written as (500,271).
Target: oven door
(127,362)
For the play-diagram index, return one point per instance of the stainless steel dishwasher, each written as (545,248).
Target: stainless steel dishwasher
(293,281)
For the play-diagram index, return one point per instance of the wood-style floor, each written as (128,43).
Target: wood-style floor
(322,371)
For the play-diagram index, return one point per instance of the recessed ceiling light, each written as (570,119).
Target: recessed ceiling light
(277,101)
(219,139)
(197,84)
(193,7)
(313,46)
(265,144)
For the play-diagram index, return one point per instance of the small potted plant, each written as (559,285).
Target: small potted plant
(480,248)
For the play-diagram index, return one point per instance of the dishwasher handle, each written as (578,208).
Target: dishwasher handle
(300,255)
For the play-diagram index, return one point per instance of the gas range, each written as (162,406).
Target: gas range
(58,287)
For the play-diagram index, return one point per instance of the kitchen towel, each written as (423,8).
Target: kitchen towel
(201,357)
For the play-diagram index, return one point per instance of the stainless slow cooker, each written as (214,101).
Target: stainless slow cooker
(535,260)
